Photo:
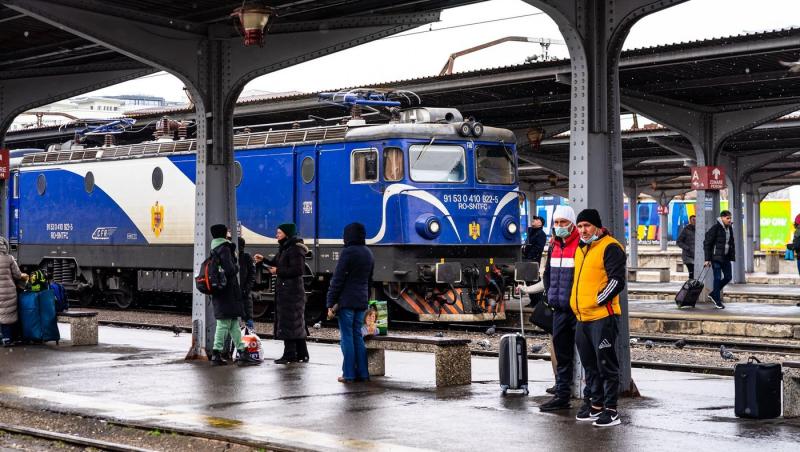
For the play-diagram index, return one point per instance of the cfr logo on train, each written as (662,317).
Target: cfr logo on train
(157,218)
(474,230)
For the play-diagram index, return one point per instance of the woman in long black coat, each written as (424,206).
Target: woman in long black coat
(290,294)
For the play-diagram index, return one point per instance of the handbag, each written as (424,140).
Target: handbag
(543,315)
(789,255)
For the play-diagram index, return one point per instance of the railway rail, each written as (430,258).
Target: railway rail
(74,440)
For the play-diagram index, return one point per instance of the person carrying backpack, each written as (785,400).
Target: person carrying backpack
(247,277)
(227,300)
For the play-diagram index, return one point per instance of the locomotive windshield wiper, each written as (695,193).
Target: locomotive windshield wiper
(425,148)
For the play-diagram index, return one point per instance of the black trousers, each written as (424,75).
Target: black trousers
(596,343)
(564,348)
(690,267)
(295,349)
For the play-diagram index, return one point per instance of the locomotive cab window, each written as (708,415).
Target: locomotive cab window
(16,186)
(437,163)
(494,165)
(393,164)
(364,166)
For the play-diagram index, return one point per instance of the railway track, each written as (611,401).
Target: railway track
(74,440)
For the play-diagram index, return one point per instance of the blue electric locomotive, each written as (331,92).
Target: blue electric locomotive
(438,196)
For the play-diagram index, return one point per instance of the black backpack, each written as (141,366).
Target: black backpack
(211,279)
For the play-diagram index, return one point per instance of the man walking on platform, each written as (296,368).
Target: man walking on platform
(559,273)
(719,248)
(599,279)
(686,244)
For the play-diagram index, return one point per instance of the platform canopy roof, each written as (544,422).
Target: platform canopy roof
(27,44)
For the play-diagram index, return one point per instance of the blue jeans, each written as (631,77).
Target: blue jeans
(797,258)
(7,331)
(722,276)
(352,343)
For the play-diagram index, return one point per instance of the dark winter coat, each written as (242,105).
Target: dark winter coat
(351,281)
(795,245)
(247,277)
(290,294)
(559,271)
(686,244)
(228,302)
(535,245)
(714,244)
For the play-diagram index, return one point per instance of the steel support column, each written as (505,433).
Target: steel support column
(749,204)
(757,222)
(663,233)
(595,32)
(215,67)
(633,225)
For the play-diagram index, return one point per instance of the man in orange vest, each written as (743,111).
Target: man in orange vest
(599,278)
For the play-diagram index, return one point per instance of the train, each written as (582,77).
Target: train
(437,193)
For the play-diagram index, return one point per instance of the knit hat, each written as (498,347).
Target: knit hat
(289,229)
(592,216)
(219,231)
(565,212)
(797,219)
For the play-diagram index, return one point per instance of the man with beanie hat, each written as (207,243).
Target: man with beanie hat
(227,302)
(599,279)
(559,272)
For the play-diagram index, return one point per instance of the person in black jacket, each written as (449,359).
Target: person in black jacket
(348,296)
(533,249)
(247,277)
(686,243)
(227,302)
(719,248)
(290,294)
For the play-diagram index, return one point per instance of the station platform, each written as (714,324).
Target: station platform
(758,293)
(139,376)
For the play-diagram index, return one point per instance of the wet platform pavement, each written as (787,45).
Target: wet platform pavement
(140,376)
(744,312)
(765,292)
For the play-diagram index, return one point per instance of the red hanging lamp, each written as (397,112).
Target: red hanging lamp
(252,19)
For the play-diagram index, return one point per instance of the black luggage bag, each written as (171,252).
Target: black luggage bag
(690,291)
(513,363)
(758,389)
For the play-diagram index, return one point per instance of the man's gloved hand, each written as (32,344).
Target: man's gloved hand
(250,325)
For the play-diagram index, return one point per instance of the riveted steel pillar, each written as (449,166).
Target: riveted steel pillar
(663,231)
(633,226)
(735,206)
(757,223)
(749,218)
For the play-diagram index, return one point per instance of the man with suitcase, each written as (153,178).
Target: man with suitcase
(559,272)
(719,248)
(599,278)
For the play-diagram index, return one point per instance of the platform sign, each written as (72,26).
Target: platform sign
(663,210)
(5,164)
(708,178)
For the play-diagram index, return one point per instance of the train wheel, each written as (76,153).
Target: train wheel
(260,308)
(121,299)
(85,298)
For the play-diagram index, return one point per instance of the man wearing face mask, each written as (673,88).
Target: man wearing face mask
(599,278)
(559,273)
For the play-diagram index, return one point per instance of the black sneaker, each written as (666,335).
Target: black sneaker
(588,412)
(554,404)
(551,390)
(717,303)
(607,418)
(244,359)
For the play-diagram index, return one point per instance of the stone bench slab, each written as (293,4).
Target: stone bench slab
(453,359)
(82,325)
(791,389)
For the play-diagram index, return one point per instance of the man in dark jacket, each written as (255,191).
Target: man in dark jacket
(227,302)
(348,296)
(719,248)
(247,277)
(559,272)
(686,244)
(534,246)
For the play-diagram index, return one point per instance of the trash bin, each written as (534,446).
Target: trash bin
(773,262)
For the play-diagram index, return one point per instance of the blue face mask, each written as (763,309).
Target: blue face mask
(562,232)
(589,240)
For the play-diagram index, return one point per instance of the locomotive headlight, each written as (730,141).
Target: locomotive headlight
(428,226)
(510,227)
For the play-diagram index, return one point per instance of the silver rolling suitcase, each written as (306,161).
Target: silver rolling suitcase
(514,360)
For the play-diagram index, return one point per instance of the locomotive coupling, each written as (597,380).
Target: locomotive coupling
(440,273)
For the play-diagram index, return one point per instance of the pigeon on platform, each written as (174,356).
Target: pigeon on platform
(491,330)
(794,66)
(648,344)
(726,354)
(176,330)
(536,348)
(484,344)
(680,343)
(438,334)
(318,325)
(634,341)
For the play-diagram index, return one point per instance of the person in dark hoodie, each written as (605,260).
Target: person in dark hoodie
(533,249)
(686,244)
(290,294)
(227,302)
(348,296)
(247,277)
(599,279)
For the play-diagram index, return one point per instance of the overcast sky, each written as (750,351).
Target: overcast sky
(414,54)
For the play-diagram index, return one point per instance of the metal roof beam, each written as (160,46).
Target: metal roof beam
(673,146)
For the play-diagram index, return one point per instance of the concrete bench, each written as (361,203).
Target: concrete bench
(663,273)
(82,326)
(791,389)
(679,266)
(453,360)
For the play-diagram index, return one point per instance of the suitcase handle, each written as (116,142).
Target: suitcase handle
(702,275)
(753,358)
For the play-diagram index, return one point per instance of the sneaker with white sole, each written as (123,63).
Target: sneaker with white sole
(588,412)
(717,303)
(607,418)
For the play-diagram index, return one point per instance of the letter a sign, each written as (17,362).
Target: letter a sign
(708,178)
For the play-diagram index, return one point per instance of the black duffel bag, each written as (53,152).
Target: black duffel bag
(543,315)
